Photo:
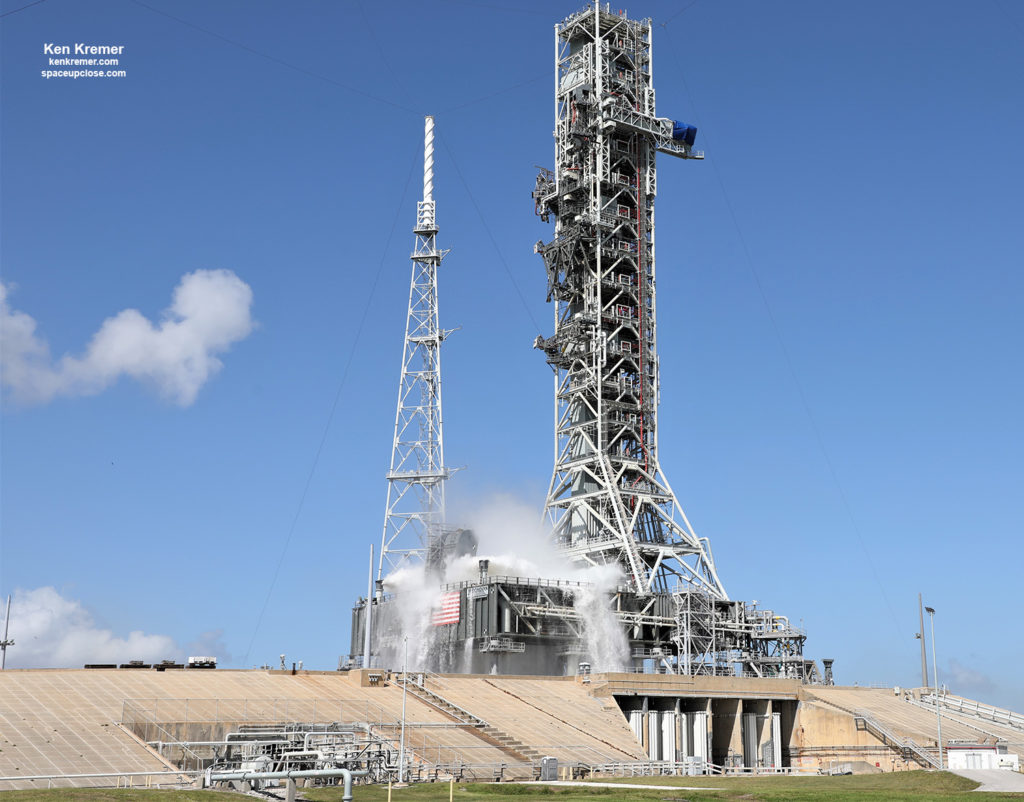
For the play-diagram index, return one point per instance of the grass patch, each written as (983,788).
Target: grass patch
(901,781)
(488,792)
(911,786)
(503,790)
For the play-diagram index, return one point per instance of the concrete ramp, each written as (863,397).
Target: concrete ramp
(899,714)
(995,780)
(69,721)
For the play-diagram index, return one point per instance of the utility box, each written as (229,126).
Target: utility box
(548,768)
(966,755)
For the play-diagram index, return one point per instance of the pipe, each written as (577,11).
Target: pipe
(347,774)
(181,773)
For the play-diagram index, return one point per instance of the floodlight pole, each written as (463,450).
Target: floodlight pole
(920,635)
(6,641)
(935,673)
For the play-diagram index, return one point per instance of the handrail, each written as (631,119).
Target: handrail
(969,707)
(691,766)
(889,738)
(253,709)
(424,695)
(958,719)
(518,580)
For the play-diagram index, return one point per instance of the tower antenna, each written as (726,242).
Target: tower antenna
(415,509)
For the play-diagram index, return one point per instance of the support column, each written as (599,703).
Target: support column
(727,740)
(776,738)
(645,736)
(682,742)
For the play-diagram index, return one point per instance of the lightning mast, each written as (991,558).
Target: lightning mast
(415,508)
(609,500)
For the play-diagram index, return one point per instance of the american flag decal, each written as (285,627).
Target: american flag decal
(447,612)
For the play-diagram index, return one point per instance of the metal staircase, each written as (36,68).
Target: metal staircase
(438,702)
(493,735)
(511,744)
(905,746)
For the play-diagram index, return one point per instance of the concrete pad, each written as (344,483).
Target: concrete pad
(995,779)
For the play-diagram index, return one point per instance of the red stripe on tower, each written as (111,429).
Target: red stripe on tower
(448,610)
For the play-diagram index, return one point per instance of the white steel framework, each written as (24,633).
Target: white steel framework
(609,500)
(415,509)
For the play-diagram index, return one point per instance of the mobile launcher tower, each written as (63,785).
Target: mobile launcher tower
(609,501)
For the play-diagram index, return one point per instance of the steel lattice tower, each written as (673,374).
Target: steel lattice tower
(415,508)
(609,500)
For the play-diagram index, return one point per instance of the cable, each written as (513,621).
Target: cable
(334,407)
(405,91)
(275,59)
(785,352)
(380,50)
(681,11)
(1010,19)
(487,229)
(16,10)
(318,76)
(481,99)
(451,156)
(492,7)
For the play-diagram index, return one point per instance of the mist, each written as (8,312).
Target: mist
(514,540)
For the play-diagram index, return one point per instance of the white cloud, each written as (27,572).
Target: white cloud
(52,631)
(210,311)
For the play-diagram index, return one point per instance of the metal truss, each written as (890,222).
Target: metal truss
(609,500)
(415,509)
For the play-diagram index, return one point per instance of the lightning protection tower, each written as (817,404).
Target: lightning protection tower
(415,507)
(609,500)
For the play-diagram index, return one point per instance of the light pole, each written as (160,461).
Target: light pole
(935,673)
(920,636)
(6,641)
(405,692)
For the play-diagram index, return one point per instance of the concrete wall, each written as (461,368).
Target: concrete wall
(823,738)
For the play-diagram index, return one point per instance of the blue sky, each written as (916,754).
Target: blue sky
(840,295)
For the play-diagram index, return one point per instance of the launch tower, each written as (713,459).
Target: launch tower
(609,502)
(609,499)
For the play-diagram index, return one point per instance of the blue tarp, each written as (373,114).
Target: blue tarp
(683,132)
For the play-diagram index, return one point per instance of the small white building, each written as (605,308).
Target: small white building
(969,755)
